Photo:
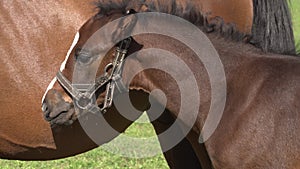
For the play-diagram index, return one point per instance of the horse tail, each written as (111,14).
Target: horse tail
(272,27)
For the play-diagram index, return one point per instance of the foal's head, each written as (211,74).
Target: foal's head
(85,77)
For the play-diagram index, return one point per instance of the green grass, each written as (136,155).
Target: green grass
(295,10)
(98,158)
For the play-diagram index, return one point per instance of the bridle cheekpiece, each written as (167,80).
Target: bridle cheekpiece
(111,79)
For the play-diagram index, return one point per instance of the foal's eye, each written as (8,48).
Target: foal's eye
(82,56)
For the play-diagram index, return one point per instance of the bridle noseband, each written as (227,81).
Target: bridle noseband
(83,98)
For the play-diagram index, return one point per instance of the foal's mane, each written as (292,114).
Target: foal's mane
(272,24)
(186,9)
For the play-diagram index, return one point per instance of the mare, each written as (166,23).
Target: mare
(34,39)
(260,121)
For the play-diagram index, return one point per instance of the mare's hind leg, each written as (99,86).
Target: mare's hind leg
(182,155)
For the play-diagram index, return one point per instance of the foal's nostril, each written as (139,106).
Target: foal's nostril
(46,111)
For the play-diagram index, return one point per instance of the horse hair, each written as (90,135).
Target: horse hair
(271,31)
(184,9)
(272,27)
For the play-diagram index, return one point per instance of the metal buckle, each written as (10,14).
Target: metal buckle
(110,88)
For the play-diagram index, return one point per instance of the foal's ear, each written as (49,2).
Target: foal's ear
(125,27)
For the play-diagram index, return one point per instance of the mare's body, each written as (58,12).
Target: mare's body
(35,37)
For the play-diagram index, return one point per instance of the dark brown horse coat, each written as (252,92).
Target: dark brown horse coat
(259,125)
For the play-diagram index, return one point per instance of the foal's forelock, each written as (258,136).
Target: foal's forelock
(63,65)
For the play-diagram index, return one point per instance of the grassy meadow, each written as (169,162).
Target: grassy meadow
(101,159)
(295,9)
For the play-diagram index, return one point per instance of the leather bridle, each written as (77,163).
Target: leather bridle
(111,79)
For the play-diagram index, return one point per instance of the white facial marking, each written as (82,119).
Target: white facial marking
(75,41)
(50,86)
(63,65)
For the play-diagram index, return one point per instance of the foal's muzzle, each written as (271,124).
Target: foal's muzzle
(57,110)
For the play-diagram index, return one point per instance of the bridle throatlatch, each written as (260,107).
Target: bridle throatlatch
(83,98)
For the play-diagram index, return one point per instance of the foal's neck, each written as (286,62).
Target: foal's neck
(162,78)
(235,57)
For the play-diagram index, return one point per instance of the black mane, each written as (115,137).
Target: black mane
(272,24)
(272,28)
(183,9)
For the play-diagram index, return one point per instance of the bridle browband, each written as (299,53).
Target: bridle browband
(83,98)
